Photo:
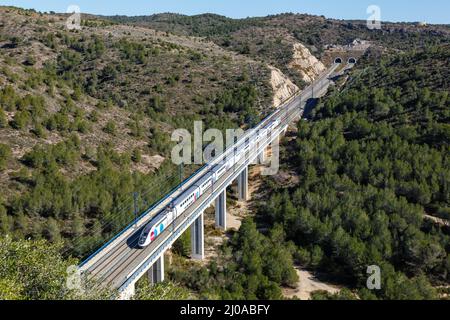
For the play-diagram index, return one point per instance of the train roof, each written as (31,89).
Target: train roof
(219,166)
(184,195)
(154,221)
(205,177)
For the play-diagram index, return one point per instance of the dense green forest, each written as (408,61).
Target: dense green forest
(36,270)
(309,29)
(93,207)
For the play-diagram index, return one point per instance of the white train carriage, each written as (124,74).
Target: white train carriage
(229,160)
(165,218)
(180,204)
(219,170)
(254,139)
(240,153)
(205,182)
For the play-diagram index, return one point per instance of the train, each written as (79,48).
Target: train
(178,206)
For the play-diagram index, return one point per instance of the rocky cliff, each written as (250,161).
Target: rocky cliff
(305,63)
(282,86)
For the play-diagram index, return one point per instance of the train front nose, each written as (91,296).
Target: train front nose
(142,241)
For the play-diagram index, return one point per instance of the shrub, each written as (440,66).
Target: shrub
(3,120)
(30,61)
(21,120)
(136,156)
(39,130)
(5,155)
(110,128)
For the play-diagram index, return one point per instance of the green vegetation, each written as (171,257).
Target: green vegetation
(251,266)
(68,112)
(5,155)
(88,210)
(182,246)
(371,165)
(161,291)
(241,100)
(271,38)
(36,270)
(3,120)
(369,173)
(110,128)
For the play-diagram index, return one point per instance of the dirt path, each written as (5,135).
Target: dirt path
(307,284)
(440,221)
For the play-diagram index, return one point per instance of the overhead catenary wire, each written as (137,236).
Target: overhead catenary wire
(122,214)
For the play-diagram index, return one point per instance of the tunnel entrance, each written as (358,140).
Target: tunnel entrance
(352,60)
(338,60)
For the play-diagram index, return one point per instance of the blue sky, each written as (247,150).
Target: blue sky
(432,11)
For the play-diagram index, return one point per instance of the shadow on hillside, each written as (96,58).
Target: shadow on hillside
(310,104)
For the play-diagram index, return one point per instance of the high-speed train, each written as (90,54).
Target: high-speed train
(176,208)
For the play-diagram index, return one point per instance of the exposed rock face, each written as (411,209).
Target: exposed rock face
(283,88)
(305,63)
(149,164)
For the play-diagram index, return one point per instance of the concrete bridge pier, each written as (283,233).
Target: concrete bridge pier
(243,185)
(221,210)
(262,156)
(197,239)
(156,271)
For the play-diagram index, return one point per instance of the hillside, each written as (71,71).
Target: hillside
(312,30)
(274,38)
(92,112)
(86,117)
